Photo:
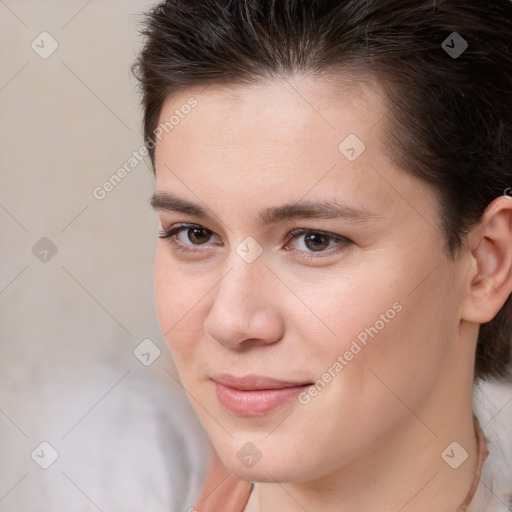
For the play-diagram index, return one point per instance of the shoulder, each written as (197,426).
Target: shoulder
(493,407)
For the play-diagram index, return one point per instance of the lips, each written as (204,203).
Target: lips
(254,395)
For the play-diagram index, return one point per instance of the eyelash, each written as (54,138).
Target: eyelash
(178,228)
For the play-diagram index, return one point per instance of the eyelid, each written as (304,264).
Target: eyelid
(171,232)
(334,236)
(341,240)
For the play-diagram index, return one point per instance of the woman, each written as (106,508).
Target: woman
(334,267)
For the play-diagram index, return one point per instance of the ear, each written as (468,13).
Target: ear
(490,278)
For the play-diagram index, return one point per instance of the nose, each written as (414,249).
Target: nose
(244,310)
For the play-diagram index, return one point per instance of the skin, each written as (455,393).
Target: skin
(372,439)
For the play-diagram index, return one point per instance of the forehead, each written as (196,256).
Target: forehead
(278,112)
(280,125)
(280,140)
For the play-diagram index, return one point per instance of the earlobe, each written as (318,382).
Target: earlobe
(490,278)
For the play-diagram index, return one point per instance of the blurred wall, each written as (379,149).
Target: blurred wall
(76,291)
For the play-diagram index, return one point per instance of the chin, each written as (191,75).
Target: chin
(267,473)
(273,466)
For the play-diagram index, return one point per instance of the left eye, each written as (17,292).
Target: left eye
(317,241)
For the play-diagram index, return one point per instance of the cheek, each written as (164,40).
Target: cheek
(403,348)
(346,309)
(166,295)
(373,322)
(178,306)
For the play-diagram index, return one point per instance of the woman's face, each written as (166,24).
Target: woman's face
(353,323)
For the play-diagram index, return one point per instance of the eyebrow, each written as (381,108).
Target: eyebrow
(298,210)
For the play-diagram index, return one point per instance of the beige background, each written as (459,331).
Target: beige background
(124,434)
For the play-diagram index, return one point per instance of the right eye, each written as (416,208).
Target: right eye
(191,235)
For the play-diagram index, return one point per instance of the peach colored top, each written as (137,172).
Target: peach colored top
(224,492)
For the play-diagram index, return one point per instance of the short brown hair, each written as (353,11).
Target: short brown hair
(450,116)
